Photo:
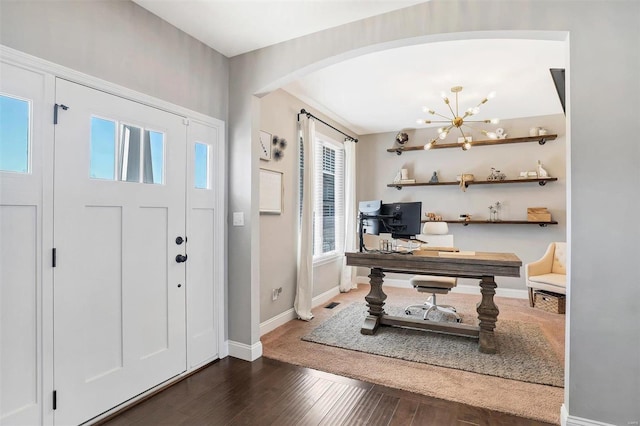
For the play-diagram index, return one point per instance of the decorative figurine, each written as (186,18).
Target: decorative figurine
(434,177)
(496,175)
(402,138)
(542,173)
(494,211)
(433,217)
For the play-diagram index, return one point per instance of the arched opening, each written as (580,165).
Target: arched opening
(267,256)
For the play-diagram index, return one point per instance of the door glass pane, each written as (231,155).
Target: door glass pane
(14,135)
(201,166)
(129,159)
(103,149)
(153,157)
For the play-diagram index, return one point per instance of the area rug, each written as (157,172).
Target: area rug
(524,353)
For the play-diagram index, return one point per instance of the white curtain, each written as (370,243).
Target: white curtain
(348,275)
(304,288)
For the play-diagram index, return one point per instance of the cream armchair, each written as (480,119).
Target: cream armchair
(548,273)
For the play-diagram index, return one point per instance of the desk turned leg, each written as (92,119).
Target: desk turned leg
(375,301)
(488,316)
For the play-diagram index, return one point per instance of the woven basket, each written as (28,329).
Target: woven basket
(550,302)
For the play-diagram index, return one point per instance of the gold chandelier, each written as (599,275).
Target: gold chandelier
(458,121)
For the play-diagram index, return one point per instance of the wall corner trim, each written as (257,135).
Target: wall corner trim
(568,420)
(245,352)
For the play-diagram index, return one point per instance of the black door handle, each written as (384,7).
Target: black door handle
(181,259)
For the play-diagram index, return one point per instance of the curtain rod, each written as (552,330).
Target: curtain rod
(308,114)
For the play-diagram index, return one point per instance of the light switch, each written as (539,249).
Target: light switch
(238,218)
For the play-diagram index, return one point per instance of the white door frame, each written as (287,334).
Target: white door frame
(53,70)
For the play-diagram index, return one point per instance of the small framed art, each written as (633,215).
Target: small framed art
(264,142)
(270,191)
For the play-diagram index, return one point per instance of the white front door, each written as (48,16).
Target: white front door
(119,298)
(22,153)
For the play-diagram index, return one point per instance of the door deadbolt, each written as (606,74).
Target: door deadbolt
(179,240)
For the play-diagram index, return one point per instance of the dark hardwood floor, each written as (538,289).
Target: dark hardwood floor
(268,392)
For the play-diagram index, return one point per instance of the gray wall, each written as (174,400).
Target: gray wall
(603,367)
(377,168)
(279,233)
(123,43)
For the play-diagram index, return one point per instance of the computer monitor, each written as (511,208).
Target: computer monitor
(369,212)
(402,220)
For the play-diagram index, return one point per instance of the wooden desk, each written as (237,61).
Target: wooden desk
(483,266)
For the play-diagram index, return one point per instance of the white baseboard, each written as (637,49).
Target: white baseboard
(290,314)
(567,420)
(224,349)
(464,289)
(277,321)
(244,351)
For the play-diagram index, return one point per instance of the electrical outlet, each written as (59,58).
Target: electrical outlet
(275,293)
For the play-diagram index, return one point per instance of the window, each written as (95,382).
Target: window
(139,153)
(328,224)
(14,134)
(201,166)
(103,153)
(153,157)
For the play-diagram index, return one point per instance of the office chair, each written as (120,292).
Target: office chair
(436,234)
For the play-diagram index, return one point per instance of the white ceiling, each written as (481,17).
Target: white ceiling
(383,91)
(386,91)
(233,27)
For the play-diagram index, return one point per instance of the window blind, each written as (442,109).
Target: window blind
(328,197)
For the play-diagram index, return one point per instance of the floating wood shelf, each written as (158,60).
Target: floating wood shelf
(540,139)
(499,222)
(541,182)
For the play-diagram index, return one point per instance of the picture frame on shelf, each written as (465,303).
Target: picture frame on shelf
(264,143)
(271,190)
